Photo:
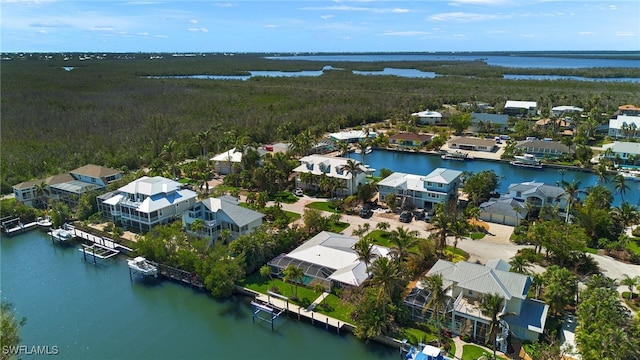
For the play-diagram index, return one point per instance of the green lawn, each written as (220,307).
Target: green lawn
(338,227)
(333,307)
(379,237)
(634,246)
(415,336)
(477,236)
(323,206)
(261,284)
(472,352)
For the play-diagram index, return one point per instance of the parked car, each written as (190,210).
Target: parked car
(298,192)
(366,211)
(406,216)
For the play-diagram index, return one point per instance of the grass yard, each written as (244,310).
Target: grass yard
(634,246)
(472,352)
(333,307)
(477,236)
(323,206)
(338,227)
(379,237)
(262,284)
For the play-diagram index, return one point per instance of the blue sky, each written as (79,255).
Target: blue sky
(309,26)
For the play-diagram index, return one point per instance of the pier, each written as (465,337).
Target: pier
(278,304)
(103,241)
(182,276)
(12,226)
(97,251)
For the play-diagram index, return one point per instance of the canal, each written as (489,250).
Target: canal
(422,164)
(96,312)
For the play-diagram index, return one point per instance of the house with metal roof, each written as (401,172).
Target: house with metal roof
(146,202)
(625,126)
(320,165)
(223,163)
(486,122)
(538,194)
(503,210)
(352,136)
(472,144)
(328,259)
(544,148)
(519,108)
(466,284)
(409,140)
(564,110)
(622,151)
(438,187)
(217,214)
(66,187)
(428,117)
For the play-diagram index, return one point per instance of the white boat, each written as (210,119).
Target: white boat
(633,175)
(61,234)
(141,265)
(526,160)
(457,156)
(428,352)
(368,150)
(44,222)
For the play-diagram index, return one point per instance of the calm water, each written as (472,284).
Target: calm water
(422,164)
(506,61)
(96,312)
(567,77)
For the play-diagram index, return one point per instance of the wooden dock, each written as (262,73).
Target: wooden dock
(182,276)
(278,303)
(97,251)
(100,240)
(13,226)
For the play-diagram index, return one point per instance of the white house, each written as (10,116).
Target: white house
(146,202)
(624,126)
(328,259)
(223,163)
(352,136)
(512,207)
(563,110)
(319,165)
(504,210)
(622,151)
(438,187)
(221,213)
(467,283)
(516,107)
(67,187)
(428,117)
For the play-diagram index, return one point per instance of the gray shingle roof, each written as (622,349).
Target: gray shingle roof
(239,215)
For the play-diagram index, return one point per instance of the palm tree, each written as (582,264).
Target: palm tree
(197,226)
(441,222)
(204,138)
(353,168)
(601,172)
(459,229)
(169,153)
(385,275)
(42,193)
(491,306)
(383,225)
(626,213)
(295,274)
(362,145)
(402,240)
(571,191)
(265,271)
(364,249)
(437,301)
(620,185)
(520,264)
(630,282)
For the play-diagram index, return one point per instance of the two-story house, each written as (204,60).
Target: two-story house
(146,202)
(466,284)
(217,214)
(67,187)
(335,167)
(438,187)
(409,140)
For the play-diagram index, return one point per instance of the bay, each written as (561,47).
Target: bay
(96,312)
(513,61)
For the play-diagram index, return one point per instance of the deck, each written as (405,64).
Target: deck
(185,277)
(13,226)
(100,240)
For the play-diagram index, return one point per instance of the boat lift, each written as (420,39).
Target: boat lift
(271,313)
(98,252)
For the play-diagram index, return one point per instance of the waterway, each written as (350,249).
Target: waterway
(96,312)
(423,164)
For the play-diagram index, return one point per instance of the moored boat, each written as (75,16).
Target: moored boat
(141,265)
(527,161)
(633,175)
(457,156)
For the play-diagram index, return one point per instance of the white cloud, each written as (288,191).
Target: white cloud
(271,26)
(625,33)
(464,17)
(223,4)
(476,2)
(193,21)
(143,34)
(326,17)
(356,8)
(103,28)
(50,24)
(196,29)
(585,33)
(405,33)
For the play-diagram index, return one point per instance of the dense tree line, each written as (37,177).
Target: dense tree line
(108,112)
